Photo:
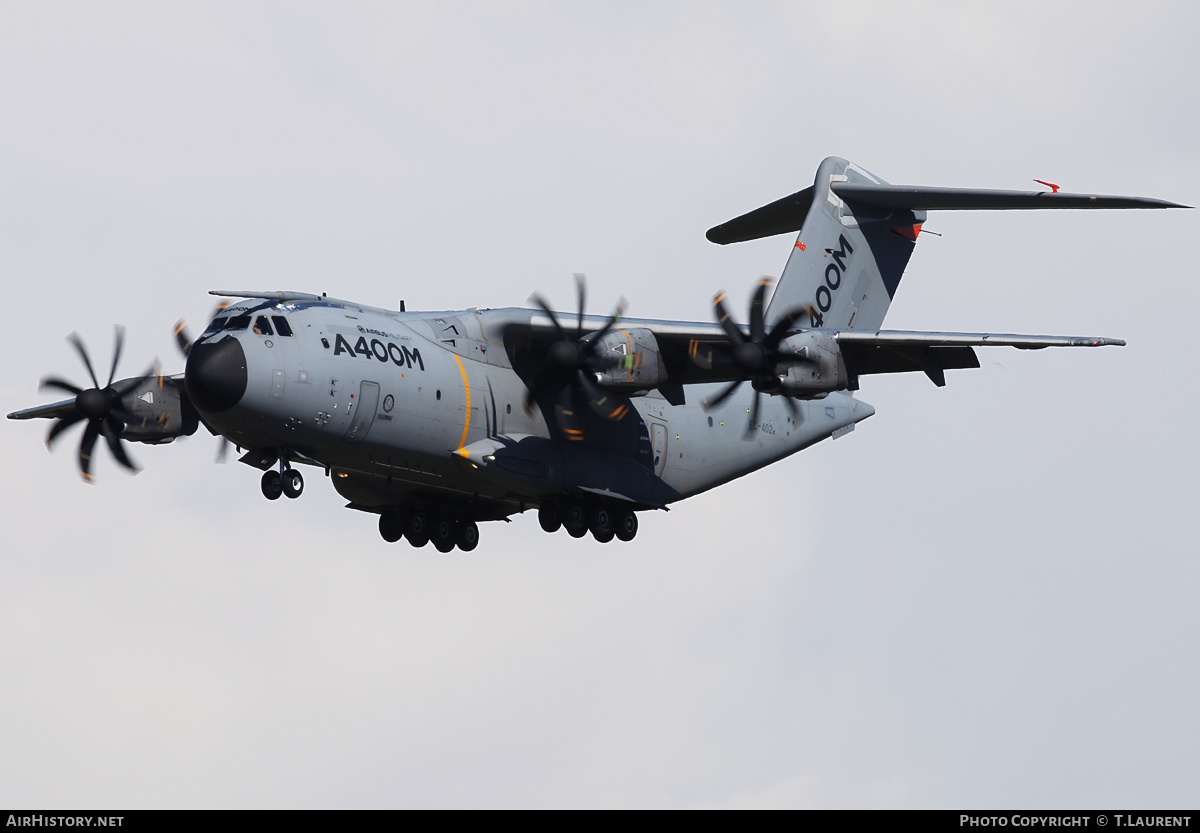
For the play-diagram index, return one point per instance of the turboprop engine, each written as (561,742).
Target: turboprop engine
(822,371)
(638,363)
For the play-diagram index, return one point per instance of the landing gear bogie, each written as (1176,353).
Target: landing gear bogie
(580,516)
(445,532)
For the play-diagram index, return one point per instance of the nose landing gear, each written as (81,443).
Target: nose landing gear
(288,482)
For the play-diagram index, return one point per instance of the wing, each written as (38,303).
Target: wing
(903,351)
(667,355)
(51,411)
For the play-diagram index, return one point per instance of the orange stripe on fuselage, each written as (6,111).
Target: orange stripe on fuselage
(467,391)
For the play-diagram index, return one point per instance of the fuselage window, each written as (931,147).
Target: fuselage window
(262,326)
(282,327)
(238,322)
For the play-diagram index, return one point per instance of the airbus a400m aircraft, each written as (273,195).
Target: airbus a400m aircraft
(435,421)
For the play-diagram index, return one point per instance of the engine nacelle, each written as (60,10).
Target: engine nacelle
(824,372)
(164,411)
(641,366)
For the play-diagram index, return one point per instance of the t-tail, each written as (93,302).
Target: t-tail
(857,233)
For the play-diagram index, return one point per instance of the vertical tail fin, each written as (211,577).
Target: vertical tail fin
(848,259)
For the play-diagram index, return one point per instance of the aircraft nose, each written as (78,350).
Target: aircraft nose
(215,375)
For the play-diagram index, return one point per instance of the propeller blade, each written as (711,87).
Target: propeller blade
(60,384)
(784,324)
(539,384)
(581,292)
(125,416)
(618,313)
(222,449)
(126,387)
(756,309)
(604,404)
(541,302)
(792,407)
(731,330)
(720,397)
(182,338)
(74,339)
(118,345)
(86,447)
(568,416)
(115,445)
(62,424)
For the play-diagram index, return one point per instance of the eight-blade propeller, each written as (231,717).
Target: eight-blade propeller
(756,356)
(573,362)
(100,406)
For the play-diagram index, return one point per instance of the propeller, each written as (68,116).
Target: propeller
(100,406)
(573,362)
(756,356)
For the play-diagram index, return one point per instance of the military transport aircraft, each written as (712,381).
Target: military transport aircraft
(434,421)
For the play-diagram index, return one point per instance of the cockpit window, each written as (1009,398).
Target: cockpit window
(237,322)
(281,325)
(215,326)
(262,326)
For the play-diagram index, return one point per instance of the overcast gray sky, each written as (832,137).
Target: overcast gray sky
(983,597)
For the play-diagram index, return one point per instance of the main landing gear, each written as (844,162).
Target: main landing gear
(286,482)
(421,528)
(579,517)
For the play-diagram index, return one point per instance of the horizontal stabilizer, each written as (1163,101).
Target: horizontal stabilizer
(780,217)
(922,198)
